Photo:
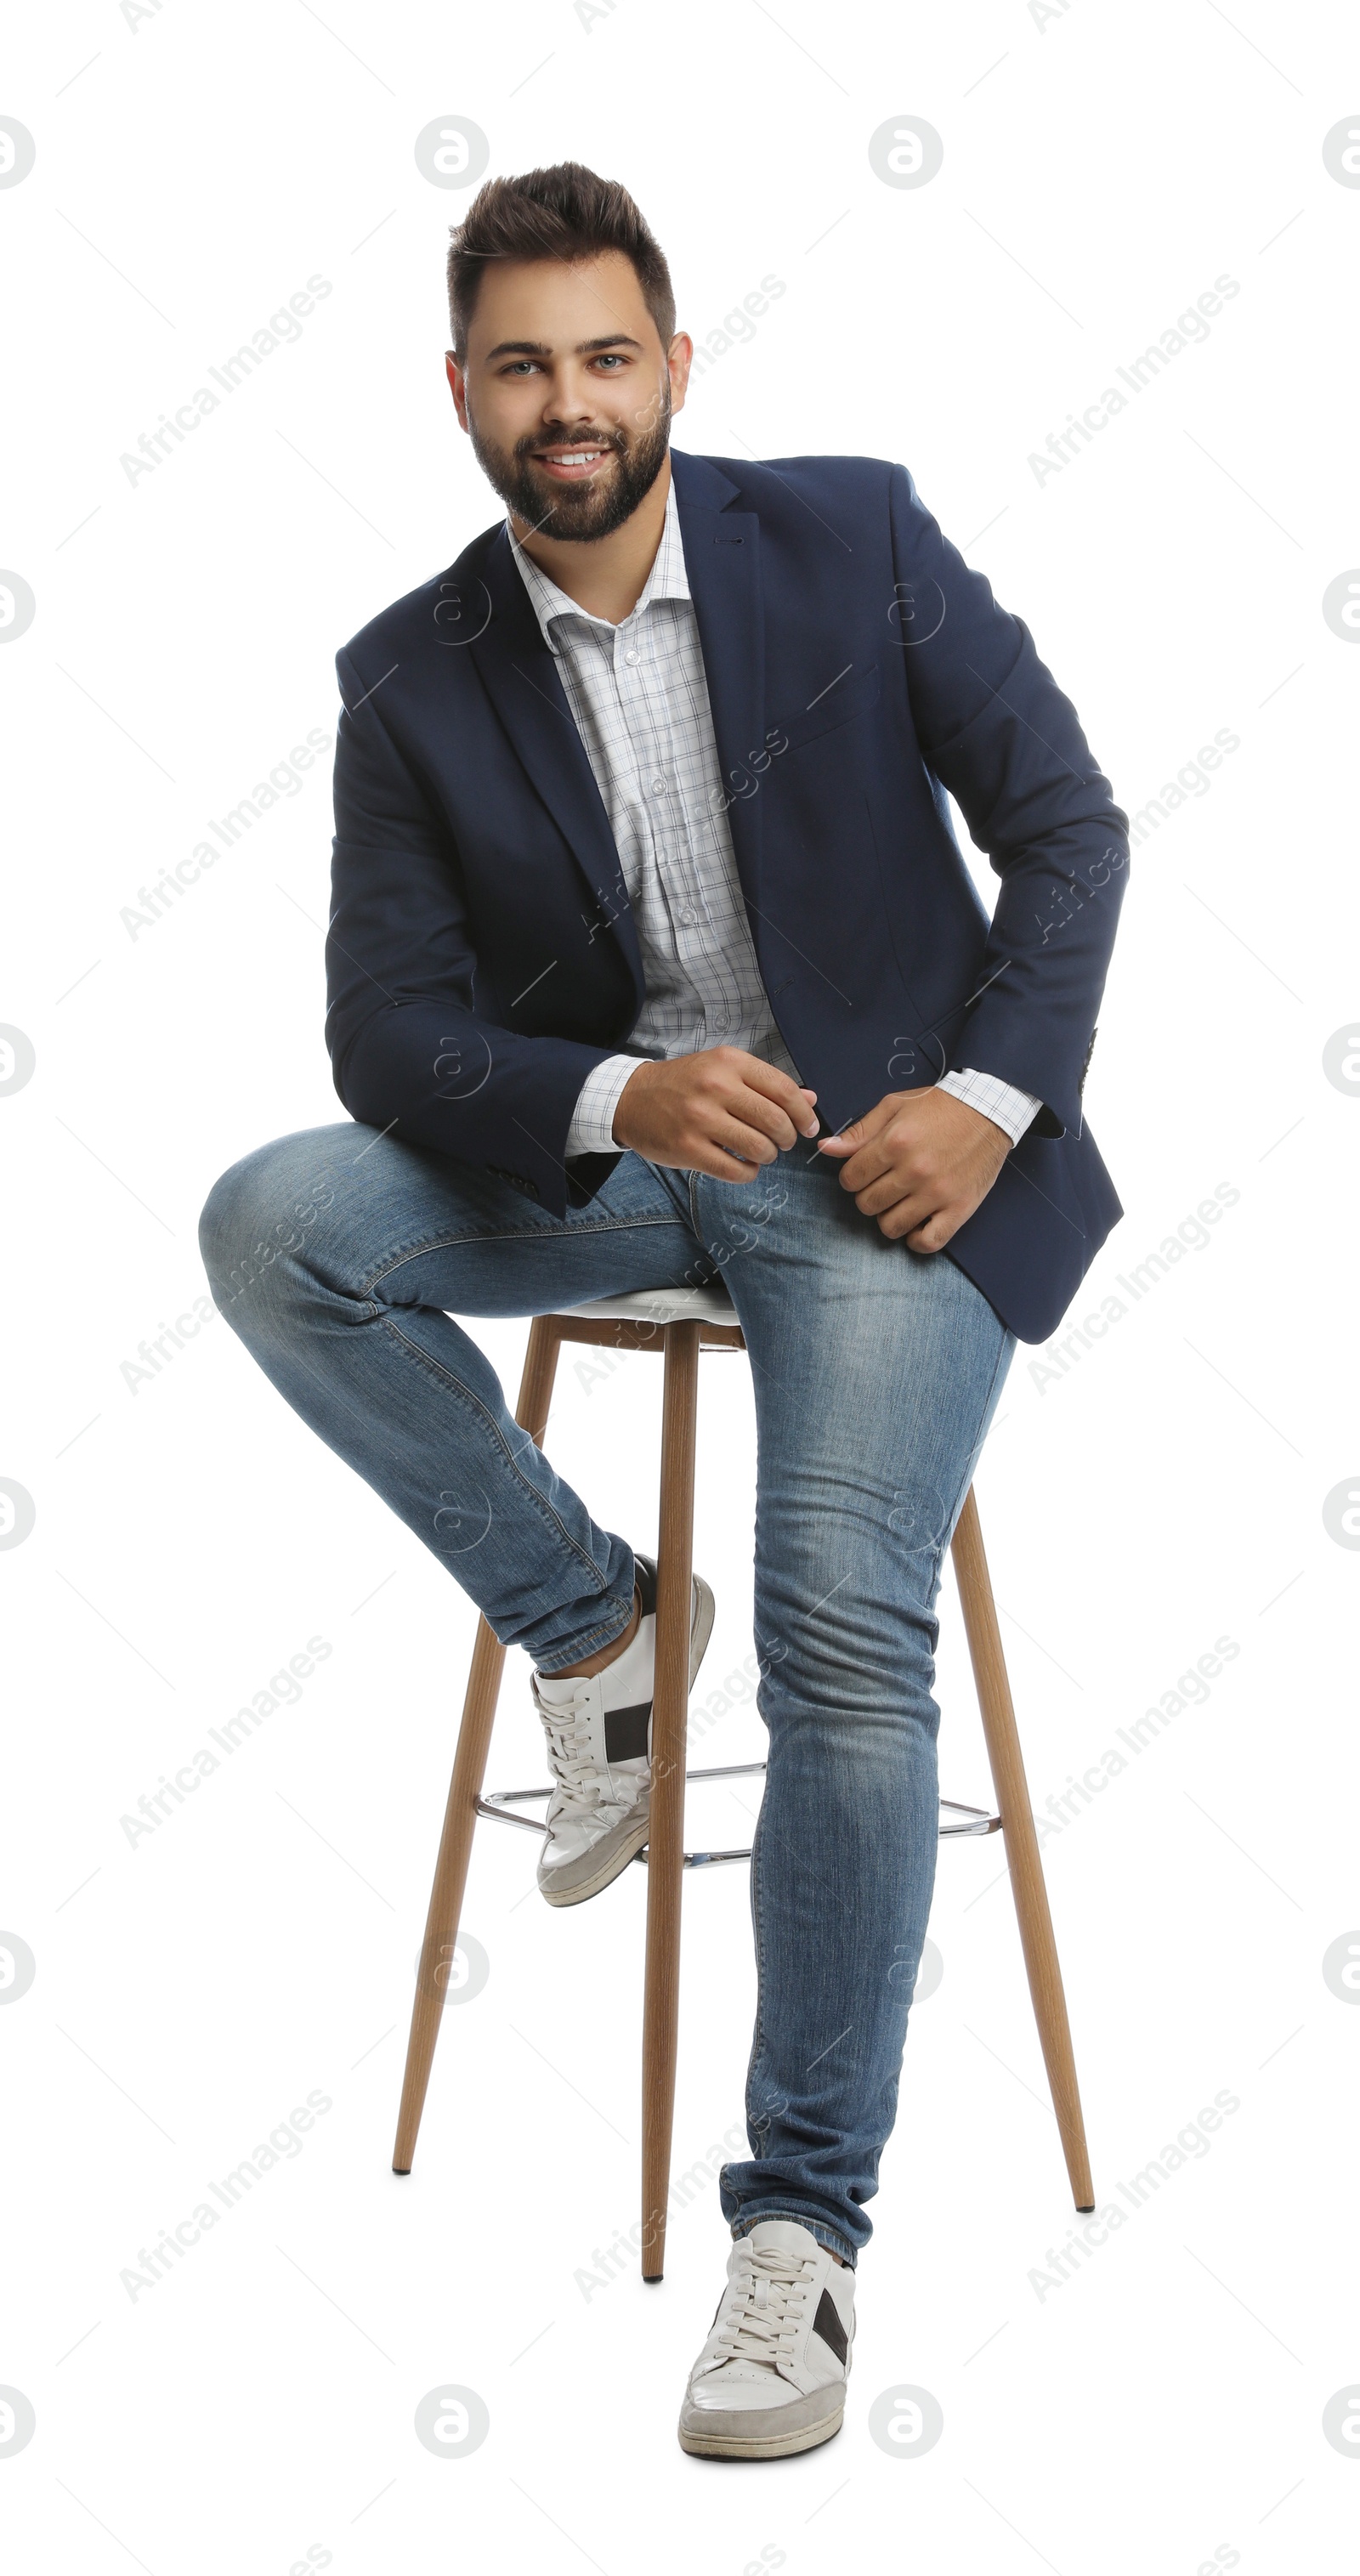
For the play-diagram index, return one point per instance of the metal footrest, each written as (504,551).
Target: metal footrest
(499,1804)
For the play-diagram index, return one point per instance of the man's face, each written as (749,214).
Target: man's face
(567,392)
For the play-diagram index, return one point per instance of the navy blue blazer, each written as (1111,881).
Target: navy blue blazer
(482,952)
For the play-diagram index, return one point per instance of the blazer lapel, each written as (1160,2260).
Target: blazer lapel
(722,566)
(522,680)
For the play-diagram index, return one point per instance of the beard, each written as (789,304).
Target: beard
(576,513)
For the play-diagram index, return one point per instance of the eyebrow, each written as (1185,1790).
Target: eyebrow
(542,349)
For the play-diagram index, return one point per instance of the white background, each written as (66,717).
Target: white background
(1166,2401)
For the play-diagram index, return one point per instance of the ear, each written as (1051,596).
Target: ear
(679,359)
(457,377)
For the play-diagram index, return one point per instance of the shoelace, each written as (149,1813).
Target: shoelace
(580,1786)
(763,2308)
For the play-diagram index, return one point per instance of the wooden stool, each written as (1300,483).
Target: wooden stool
(680,1323)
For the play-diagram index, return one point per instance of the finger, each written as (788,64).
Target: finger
(899,1208)
(720,1166)
(873,1162)
(771,1084)
(742,1139)
(756,1109)
(933,1236)
(860,1131)
(886,1188)
(921,1232)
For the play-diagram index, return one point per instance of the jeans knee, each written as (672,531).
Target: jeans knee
(220,1229)
(866,1678)
(232,1217)
(257,1220)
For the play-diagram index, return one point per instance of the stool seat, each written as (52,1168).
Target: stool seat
(661,1306)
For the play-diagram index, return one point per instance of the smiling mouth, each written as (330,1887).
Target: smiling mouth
(571,464)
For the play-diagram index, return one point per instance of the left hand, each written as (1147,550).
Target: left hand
(920,1162)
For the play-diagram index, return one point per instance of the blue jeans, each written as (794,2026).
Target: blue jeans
(334,1254)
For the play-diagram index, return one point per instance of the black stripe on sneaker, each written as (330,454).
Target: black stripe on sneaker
(625,1732)
(644,1575)
(827,2323)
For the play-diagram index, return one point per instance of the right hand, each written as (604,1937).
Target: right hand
(718,1111)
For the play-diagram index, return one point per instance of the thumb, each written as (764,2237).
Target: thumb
(846,1142)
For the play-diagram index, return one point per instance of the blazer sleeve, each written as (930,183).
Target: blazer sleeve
(410,1051)
(997,731)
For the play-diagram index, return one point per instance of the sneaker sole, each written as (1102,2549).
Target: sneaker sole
(760,2446)
(612,1867)
(626,1851)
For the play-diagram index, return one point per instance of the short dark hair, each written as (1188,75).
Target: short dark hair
(566,212)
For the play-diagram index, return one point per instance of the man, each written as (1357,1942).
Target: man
(654,960)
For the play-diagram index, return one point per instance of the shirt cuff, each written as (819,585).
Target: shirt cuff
(592,1120)
(1008,1108)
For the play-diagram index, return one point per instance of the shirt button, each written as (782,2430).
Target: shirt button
(658,787)
(630,657)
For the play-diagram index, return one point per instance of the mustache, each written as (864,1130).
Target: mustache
(534,446)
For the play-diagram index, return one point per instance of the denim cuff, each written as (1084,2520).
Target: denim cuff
(593,1642)
(827,2236)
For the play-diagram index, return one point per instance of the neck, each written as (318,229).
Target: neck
(607,575)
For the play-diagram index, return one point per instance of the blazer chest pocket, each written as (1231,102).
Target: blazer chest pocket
(852,692)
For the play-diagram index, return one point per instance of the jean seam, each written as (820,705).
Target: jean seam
(396,1260)
(758,2049)
(967,1478)
(457,1387)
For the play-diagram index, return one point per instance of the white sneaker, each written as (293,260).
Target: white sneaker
(599,1732)
(771,2377)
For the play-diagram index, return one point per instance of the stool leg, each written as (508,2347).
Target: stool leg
(1022,1846)
(460,1815)
(666,1838)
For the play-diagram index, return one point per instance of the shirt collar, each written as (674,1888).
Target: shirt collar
(666,580)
